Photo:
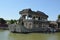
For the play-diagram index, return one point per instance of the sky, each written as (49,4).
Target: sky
(9,9)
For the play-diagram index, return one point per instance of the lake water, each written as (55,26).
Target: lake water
(6,35)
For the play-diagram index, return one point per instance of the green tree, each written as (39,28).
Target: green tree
(2,21)
(15,21)
(59,16)
(12,21)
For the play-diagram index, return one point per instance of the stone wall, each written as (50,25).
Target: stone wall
(28,25)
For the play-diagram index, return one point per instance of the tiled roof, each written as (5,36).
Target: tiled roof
(33,12)
(25,11)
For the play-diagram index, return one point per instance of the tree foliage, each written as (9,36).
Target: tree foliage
(12,21)
(2,21)
(59,16)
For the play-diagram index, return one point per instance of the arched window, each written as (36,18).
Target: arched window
(39,18)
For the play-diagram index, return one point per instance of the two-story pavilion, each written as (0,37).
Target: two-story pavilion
(33,19)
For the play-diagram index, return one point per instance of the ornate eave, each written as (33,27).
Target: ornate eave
(29,11)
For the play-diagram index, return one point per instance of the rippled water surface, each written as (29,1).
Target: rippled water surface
(6,35)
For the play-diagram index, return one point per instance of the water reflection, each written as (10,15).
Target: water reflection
(6,35)
(34,36)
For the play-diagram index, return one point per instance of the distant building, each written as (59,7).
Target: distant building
(3,26)
(58,21)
